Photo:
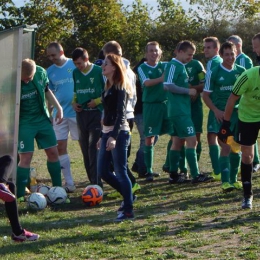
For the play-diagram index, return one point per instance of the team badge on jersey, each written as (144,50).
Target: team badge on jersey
(92,80)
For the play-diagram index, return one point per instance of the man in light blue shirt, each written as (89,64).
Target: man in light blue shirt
(62,85)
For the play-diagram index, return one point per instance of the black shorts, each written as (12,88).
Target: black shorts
(247,133)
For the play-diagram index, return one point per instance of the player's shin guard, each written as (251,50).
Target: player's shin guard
(148,157)
(55,172)
(182,163)
(235,160)
(22,180)
(214,153)
(246,178)
(224,168)
(192,161)
(174,157)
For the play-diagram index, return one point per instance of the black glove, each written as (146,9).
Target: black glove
(224,131)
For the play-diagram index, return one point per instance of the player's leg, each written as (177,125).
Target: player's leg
(46,140)
(256,162)
(214,149)
(62,131)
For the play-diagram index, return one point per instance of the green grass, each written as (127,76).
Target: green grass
(172,221)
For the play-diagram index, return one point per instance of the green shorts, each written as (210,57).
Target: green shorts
(182,126)
(155,118)
(213,125)
(197,114)
(42,132)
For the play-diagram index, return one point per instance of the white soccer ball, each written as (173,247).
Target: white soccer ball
(43,189)
(56,195)
(36,201)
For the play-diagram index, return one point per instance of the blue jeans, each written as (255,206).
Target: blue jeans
(120,180)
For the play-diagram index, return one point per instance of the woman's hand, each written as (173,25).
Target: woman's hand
(111,144)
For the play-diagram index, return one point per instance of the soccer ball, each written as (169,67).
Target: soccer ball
(36,201)
(43,189)
(92,195)
(56,195)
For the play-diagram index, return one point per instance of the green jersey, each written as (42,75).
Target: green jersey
(196,72)
(33,107)
(248,87)
(155,93)
(216,60)
(88,85)
(220,81)
(178,104)
(244,61)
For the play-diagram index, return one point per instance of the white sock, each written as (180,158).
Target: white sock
(65,168)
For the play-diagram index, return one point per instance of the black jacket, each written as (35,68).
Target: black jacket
(114,104)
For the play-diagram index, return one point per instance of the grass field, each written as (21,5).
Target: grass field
(172,221)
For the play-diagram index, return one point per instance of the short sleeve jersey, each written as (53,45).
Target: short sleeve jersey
(244,61)
(155,93)
(220,81)
(62,85)
(32,103)
(88,85)
(216,60)
(196,72)
(178,104)
(248,87)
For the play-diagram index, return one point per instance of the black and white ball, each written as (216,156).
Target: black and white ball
(36,201)
(43,189)
(56,195)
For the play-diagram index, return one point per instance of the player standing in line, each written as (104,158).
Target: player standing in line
(88,86)
(34,123)
(155,115)
(179,107)
(211,48)
(62,85)
(219,82)
(244,61)
(246,89)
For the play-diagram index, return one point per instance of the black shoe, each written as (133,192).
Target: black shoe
(256,167)
(166,168)
(202,178)
(178,179)
(149,176)
(134,167)
(247,202)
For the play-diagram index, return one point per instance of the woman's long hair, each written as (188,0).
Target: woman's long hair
(120,77)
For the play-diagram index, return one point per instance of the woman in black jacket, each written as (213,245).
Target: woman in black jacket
(115,138)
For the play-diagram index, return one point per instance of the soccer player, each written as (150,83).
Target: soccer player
(62,85)
(34,123)
(219,82)
(246,89)
(88,86)
(179,107)
(211,48)
(7,191)
(155,115)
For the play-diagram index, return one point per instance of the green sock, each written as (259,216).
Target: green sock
(214,157)
(198,151)
(225,168)
(22,180)
(182,162)
(256,155)
(148,158)
(174,157)
(235,159)
(192,161)
(167,160)
(55,172)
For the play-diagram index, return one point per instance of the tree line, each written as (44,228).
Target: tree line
(90,24)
